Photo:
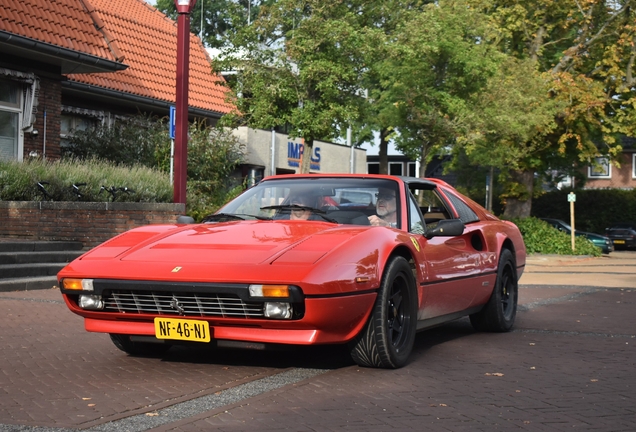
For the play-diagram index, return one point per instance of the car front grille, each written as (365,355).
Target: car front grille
(182,304)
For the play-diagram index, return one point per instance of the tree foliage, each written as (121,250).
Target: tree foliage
(585,53)
(523,86)
(219,17)
(299,67)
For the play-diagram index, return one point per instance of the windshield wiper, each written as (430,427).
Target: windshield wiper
(226,217)
(221,217)
(291,207)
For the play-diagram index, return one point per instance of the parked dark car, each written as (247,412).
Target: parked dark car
(601,241)
(623,238)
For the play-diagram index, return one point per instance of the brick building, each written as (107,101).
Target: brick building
(69,64)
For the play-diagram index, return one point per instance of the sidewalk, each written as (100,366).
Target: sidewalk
(616,270)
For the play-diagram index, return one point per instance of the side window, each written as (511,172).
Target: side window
(431,205)
(416,223)
(466,214)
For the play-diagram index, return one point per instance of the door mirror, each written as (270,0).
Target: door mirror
(446,228)
(185,220)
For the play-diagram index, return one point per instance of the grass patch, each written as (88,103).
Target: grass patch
(103,181)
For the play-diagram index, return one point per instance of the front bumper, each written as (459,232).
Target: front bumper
(326,320)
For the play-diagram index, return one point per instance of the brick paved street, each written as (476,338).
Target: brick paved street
(569,365)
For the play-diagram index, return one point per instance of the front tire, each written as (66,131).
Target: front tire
(387,339)
(146,349)
(498,315)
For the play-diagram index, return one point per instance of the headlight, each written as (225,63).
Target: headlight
(91,302)
(278,310)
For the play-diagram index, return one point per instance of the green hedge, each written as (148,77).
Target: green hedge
(542,238)
(594,209)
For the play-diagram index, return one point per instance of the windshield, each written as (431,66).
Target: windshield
(335,200)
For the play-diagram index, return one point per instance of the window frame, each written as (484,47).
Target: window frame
(16,108)
(604,162)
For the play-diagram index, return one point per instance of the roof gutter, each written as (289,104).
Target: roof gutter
(76,58)
(118,96)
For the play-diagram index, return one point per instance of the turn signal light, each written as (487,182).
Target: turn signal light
(269,291)
(78,284)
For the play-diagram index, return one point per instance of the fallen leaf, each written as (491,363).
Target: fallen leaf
(497,374)
(86,398)
(152,414)
(532,368)
(594,380)
(532,344)
(91,405)
(443,405)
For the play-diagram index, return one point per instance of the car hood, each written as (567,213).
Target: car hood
(592,236)
(246,242)
(240,251)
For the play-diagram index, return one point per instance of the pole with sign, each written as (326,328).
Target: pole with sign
(171,129)
(184,7)
(572,200)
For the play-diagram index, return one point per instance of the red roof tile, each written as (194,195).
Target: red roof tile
(148,40)
(42,19)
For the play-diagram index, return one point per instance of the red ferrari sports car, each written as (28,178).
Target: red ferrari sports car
(363,260)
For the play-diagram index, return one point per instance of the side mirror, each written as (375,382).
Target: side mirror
(446,228)
(185,220)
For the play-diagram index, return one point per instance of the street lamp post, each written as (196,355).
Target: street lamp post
(184,7)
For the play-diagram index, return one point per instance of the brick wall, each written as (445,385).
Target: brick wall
(90,223)
(49,103)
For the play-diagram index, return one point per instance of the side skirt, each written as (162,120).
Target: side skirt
(437,321)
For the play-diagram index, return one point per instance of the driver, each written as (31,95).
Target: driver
(386,209)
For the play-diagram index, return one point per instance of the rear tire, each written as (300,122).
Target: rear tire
(146,349)
(387,339)
(498,315)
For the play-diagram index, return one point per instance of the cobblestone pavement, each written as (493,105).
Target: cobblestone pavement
(568,365)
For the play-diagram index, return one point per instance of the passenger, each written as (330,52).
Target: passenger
(386,209)
(304,201)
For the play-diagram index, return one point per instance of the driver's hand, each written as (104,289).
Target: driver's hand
(377,221)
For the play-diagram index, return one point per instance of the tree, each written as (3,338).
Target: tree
(219,16)
(435,62)
(585,51)
(299,66)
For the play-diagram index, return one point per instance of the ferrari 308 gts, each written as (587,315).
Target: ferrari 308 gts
(362,260)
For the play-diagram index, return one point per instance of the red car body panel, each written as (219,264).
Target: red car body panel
(337,267)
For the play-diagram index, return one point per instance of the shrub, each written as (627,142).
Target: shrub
(542,238)
(213,155)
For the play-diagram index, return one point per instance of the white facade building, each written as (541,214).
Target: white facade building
(268,153)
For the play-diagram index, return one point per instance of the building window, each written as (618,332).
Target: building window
(601,169)
(412,167)
(395,168)
(373,168)
(71,123)
(10,95)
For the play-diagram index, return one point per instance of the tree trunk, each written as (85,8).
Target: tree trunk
(423,159)
(520,206)
(305,158)
(384,151)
